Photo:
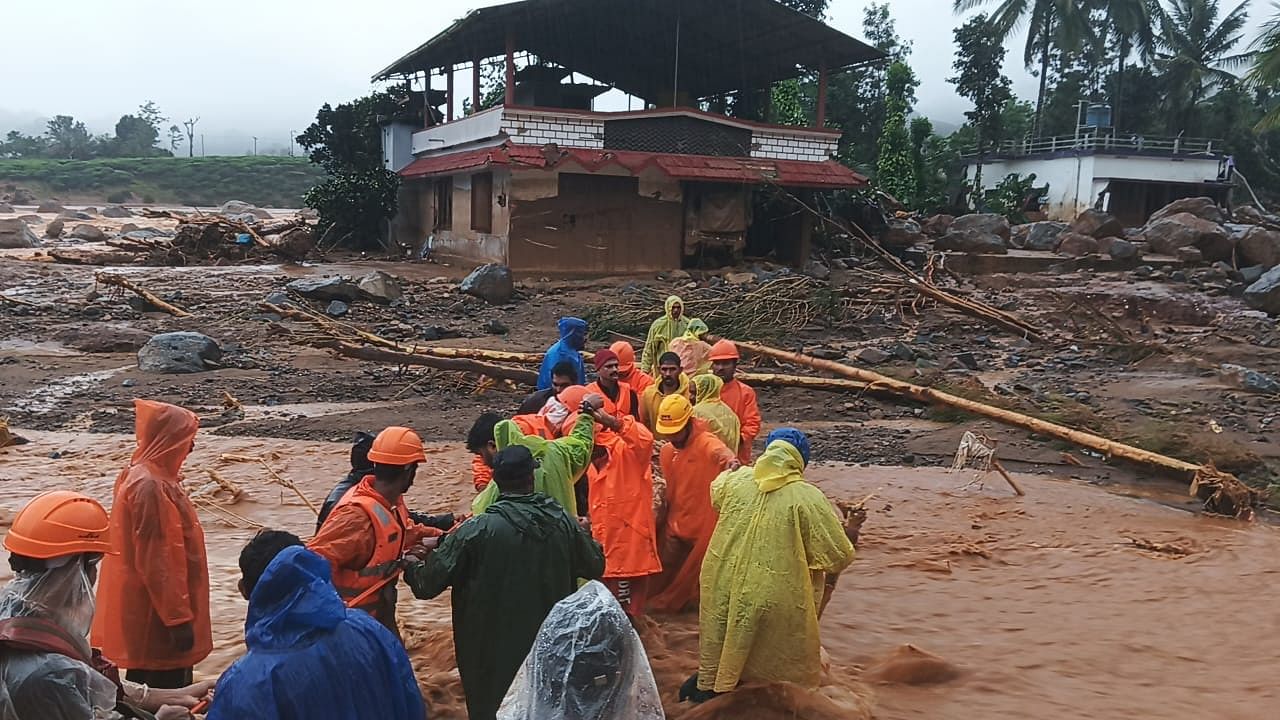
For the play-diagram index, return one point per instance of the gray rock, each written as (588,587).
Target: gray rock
(1246,214)
(326,288)
(1264,294)
(1043,235)
(871,356)
(977,233)
(938,225)
(75,215)
(496,327)
(277,298)
(380,287)
(1202,207)
(988,223)
(679,275)
(143,234)
(826,353)
(50,206)
(1123,250)
(235,207)
(1259,246)
(92,233)
(1097,224)
(1189,254)
(968,360)
(246,218)
(337,309)
(98,338)
(1074,244)
(491,282)
(128,228)
(128,382)
(22,196)
(179,352)
(1169,233)
(116,211)
(15,234)
(31,219)
(1143,271)
(6,208)
(1251,274)
(1247,379)
(903,351)
(902,233)
(817,270)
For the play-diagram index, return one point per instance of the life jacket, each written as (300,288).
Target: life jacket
(536,425)
(615,408)
(389,533)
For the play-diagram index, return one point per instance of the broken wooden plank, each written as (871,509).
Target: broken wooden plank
(122,282)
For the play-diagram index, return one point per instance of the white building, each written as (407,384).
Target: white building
(1128,177)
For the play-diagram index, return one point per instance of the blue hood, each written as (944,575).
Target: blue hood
(570,325)
(293,600)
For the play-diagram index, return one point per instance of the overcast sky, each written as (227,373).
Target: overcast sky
(262,67)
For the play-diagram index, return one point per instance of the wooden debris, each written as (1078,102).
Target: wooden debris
(151,298)
(7,438)
(1170,549)
(1223,494)
(16,301)
(375,354)
(226,516)
(275,477)
(979,451)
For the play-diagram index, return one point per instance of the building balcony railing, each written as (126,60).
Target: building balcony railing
(1093,142)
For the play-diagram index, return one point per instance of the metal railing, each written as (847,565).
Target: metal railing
(1109,142)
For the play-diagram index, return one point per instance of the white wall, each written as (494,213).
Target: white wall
(396,150)
(783,145)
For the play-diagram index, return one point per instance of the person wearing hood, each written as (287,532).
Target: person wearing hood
(153,601)
(778,543)
(690,461)
(309,656)
(587,663)
(740,397)
(709,408)
(568,349)
(673,324)
(671,381)
(48,671)
(561,462)
(508,566)
(619,397)
(628,371)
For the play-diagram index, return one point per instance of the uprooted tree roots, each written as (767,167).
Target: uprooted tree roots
(1223,494)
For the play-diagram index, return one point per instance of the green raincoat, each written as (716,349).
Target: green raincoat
(776,538)
(719,417)
(562,462)
(661,333)
(508,566)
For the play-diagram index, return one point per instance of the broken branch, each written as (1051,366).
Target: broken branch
(151,298)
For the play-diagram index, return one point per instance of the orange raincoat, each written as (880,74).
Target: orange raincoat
(689,472)
(621,502)
(742,398)
(159,579)
(627,370)
(537,425)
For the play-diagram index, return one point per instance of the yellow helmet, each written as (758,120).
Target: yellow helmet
(673,414)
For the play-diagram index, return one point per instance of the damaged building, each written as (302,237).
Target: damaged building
(544,181)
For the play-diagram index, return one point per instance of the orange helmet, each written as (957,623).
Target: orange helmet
(571,397)
(397,446)
(626,356)
(724,350)
(673,414)
(57,524)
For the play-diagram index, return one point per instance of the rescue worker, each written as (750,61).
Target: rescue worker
(671,381)
(739,396)
(562,461)
(778,543)
(619,397)
(563,375)
(153,601)
(621,508)
(587,663)
(628,371)
(692,459)
(568,349)
(47,669)
(709,408)
(508,566)
(360,466)
(366,536)
(671,325)
(309,655)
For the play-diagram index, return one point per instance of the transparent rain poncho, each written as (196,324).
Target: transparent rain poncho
(47,685)
(587,663)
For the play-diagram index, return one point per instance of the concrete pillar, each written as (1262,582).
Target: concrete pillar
(475,86)
(448,93)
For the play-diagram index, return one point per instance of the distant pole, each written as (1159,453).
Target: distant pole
(475,87)
(255,145)
(675,84)
(448,92)
(290,143)
(510,99)
(821,120)
(201,144)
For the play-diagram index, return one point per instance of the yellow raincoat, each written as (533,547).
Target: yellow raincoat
(719,417)
(763,575)
(562,462)
(652,397)
(661,333)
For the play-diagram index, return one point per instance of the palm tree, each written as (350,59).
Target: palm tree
(1266,69)
(1131,23)
(1061,24)
(1194,53)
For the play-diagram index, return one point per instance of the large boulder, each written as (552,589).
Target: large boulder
(1041,236)
(179,352)
(1259,246)
(1250,215)
(1097,224)
(116,211)
(1123,250)
(6,208)
(53,229)
(380,287)
(490,282)
(1168,234)
(1202,207)
(101,338)
(902,233)
(1265,293)
(92,233)
(327,288)
(1074,244)
(22,196)
(978,233)
(15,234)
(50,206)
(235,207)
(938,225)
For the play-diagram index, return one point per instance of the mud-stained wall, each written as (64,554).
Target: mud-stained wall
(459,240)
(594,223)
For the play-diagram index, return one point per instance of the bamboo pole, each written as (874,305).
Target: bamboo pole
(16,301)
(150,297)
(374,354)
(877,382)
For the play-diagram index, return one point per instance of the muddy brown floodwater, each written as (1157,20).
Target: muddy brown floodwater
(1070,602)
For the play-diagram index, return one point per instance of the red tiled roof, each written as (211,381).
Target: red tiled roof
(698,168)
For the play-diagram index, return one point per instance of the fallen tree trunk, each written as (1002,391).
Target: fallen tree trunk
(375,354)
(800,381)
(150,297)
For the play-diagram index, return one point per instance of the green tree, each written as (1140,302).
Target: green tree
(359,193)
(175,138)
(979,57)
(135,137)
(17,145)
(1131,23)
(856,97)
(1194,54)
(1065,25)
(1265,73)
(68,139)
(895,163)
(812,8)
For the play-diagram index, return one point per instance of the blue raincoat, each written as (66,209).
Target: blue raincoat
(310,657)
(573,337)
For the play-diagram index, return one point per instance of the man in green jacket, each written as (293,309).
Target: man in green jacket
(508,566)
